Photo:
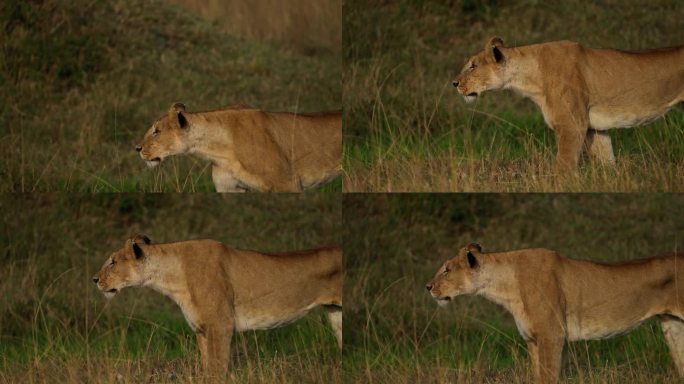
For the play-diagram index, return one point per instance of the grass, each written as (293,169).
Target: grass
(83,81)
(393,244)
(56,327)
(406,129)
(304,26)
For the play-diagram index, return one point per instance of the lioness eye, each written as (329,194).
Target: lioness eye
(472,66)
(155,132)
(113,262)
(446,270)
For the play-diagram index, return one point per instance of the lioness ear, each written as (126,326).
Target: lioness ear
(498,56)
(472,260)
(177,112)
(474,246)
(178,107)
(495,44)
(495,41)
(141,238)
(139,254)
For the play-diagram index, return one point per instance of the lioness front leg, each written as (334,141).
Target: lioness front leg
(569,140)
(563,115)
(599,147)
(214,346)
(545,353)
(224,180)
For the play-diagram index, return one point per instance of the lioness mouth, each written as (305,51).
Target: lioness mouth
(113,290)
(156,159)
(472,94)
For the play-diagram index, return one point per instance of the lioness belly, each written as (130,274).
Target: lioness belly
(246,320)
(600,328)
(603,118)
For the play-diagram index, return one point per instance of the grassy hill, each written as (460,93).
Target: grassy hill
(407,129)
(82,82)
(56,327)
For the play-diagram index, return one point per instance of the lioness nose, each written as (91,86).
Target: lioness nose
(428,287)
(138,148)
(95,279)
(455,83)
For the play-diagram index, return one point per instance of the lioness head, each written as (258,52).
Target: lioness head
(166,137)
(483,71)
(457,276)
(123,268)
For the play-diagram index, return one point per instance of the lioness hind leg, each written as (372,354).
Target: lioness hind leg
(599,147)
(673,329)
(335,317)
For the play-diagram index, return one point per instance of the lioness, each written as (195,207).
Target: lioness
(554,299)
(250,149)
(221,290)
(582,92)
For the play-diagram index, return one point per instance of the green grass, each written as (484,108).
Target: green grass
(406,129)
(83,81)
(393,244)
(56,327)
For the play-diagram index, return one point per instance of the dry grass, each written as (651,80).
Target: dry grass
(56,327)
(394,243)
(406,129)
(305,25)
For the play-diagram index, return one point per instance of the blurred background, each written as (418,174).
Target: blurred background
(55,326)
(407,129)
(82,81)
(394,332)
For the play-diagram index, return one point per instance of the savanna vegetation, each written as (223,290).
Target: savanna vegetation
(82,81)
(394,244)
(407,129)
(56,327)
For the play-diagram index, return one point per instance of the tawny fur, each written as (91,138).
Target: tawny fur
(554,299)
(582,92)
(250,149)
(221,289)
